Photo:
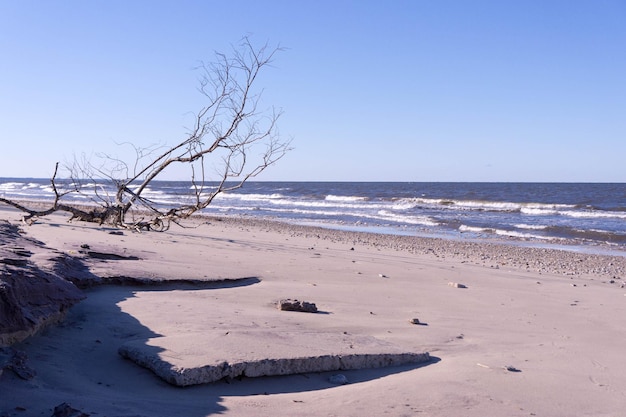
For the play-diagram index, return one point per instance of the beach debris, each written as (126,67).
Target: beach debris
(417,321)
(107,256)
(383,276)
(66,410)
(295,305)
(456,285)
(338,379)
(261,352)
(506,367)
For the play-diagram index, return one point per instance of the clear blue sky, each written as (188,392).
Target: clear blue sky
(372,90)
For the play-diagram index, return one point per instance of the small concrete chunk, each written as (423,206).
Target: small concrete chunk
(457,285)
(66,410)
(295,305)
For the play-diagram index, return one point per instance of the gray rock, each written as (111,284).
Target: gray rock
(338,379)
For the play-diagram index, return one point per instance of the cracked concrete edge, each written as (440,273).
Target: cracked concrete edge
(266,367)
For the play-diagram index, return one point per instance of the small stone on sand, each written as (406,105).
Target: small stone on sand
(338,379)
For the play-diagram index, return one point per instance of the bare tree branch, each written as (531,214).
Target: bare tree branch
(230,130)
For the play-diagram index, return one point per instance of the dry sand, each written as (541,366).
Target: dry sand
(554,316)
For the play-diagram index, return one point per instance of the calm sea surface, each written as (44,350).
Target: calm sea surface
(540,213)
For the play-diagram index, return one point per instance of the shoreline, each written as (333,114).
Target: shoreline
(558,260)
(529,256)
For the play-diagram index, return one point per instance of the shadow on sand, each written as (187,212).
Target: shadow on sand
(78,362)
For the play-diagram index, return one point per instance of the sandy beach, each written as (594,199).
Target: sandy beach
(527,332)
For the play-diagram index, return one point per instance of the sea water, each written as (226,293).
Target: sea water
(559,213)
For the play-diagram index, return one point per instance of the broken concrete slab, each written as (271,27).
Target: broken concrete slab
(192,359)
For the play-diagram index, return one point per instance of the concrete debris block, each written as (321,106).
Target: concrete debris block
(203,358)
(415,321)
(457,285)
(295,305)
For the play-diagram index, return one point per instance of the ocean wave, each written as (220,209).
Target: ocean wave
(582,213)
(407,219)
(501,232)
(481,205)
(594,214)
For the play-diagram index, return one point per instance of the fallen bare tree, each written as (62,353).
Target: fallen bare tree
(231,141)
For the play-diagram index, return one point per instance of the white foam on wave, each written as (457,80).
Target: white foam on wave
(500,232)
(594,214)
(251,197)
(331,197)
(8,186)
(531,226)
(533,211)
(512,233)
(474,229)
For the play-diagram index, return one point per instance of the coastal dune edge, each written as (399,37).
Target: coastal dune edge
(525,331)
